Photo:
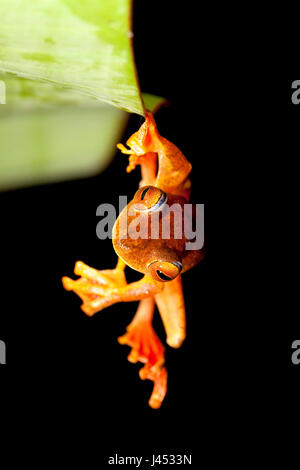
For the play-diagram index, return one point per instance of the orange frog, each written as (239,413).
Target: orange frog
(161,259)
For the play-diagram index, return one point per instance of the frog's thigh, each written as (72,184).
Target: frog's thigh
(170,303)
(173,167)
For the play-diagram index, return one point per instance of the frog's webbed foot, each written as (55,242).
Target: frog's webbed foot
(148,349)
(97,289)
(100,289)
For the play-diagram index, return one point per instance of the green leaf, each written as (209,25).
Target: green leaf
(59,61)
(83,45)
(58,145)
(152,102)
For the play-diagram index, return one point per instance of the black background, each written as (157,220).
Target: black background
(68,370)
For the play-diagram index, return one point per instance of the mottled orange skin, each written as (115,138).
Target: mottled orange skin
(152,257)
(138,253)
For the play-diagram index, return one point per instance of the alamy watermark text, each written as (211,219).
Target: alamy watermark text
(2,352)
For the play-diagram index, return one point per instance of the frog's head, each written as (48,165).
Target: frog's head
(138,240)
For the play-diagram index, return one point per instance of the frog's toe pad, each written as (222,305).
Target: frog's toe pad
(159,375)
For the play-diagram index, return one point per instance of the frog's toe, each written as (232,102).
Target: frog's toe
(176,340)
(67,283)
(159,375)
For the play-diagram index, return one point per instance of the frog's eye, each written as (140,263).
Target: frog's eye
(164,271)
(150,198)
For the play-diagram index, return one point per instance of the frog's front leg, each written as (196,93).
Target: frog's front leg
(100,289)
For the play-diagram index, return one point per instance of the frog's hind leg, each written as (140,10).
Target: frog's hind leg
(170,303)
(148,349)
(173,170)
